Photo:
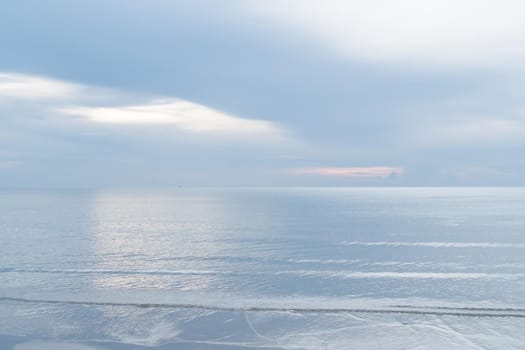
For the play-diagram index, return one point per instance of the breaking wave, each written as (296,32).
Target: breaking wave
(329,274)
(393,309)
(436,244)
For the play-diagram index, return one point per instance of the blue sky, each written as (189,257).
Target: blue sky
(152,93)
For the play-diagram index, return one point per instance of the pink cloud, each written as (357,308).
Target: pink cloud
(359,172)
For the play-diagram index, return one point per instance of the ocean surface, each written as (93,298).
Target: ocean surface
(272,268)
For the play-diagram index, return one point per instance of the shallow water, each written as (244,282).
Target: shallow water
(315,268)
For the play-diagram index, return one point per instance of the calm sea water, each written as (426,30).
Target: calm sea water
(301,268)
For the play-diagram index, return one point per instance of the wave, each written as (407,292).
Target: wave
(393,309)
(302,273)
(437,244)
(327,261)
(326,274)
(119,272)
(399,275)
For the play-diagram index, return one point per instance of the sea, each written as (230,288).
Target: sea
(262,268)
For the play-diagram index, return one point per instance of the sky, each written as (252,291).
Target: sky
(145,93)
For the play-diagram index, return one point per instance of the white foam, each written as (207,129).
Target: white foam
(436,244)
(337,274)
(301,305)
(401,275)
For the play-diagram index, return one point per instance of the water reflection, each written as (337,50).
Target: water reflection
(163,236)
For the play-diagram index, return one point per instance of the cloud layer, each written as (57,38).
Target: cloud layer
(180,92)
(184,115)
(435,31)
(68,98)
(30,87)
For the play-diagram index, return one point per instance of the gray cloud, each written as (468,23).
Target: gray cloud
(423,103)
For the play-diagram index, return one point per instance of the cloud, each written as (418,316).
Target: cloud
(184,115)
(29,87)
(65,98)
(466,32)
(82,135)
(353,172)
